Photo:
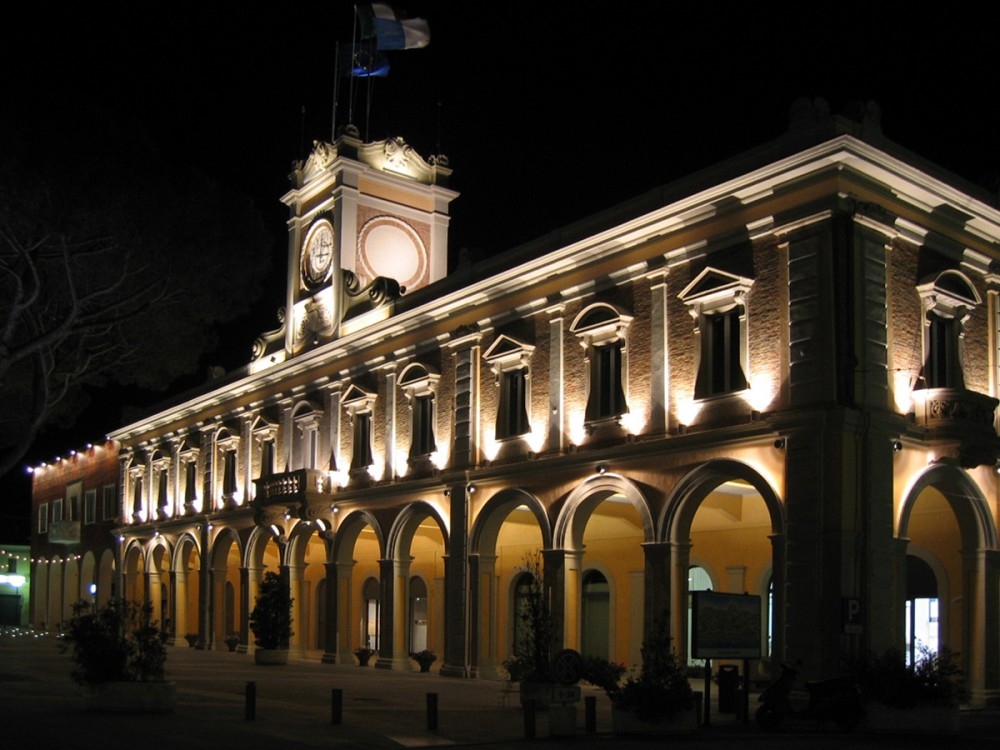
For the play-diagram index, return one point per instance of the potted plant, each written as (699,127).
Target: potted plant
(660,699)
(364,654)
(119,657)
(192,639)
(271,621)
(232,640)
(531,666)
(923,696)
(424,658)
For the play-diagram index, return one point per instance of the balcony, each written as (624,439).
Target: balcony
(965,416)
(293,487)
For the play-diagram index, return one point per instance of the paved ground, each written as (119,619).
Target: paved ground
(40,707)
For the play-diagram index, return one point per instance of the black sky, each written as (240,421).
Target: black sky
(547,111)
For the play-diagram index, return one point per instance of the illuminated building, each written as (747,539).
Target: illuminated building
(777,376)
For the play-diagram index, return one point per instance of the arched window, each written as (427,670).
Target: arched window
(947,300)
(698,580)
(595,613)
(602,332)
(418,614)
(922,610)
(523,589)
(371,629)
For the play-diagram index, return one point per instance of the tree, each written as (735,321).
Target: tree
(114,265)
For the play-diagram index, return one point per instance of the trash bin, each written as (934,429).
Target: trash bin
(729,682)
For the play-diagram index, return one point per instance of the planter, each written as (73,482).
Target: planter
(625,721)
(131,697)
(923,719)
(271,656)
(547,694)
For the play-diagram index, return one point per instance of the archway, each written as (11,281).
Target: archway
(358,548)
(725,517)
(947,523)
(510,528)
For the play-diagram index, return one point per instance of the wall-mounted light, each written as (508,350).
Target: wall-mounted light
(320,524)
(601,469)
(471,489)
(896,446)
(779,444)
(447,493)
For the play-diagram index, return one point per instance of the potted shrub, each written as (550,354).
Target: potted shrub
(364,655)
(659,700)
(271,621)
(424,658)
(119,657)
(192,639)
(232,641)
(921,697)
(532,666)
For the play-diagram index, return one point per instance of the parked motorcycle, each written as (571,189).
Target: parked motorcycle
(837,700)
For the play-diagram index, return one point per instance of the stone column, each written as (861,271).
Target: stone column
(554,590)
(246,603)
(659,367)
(456,588)
(206,605)
(207,443)
(656,584)
(393,614)
(293,575)
(484,629)
(556,442)
(466,439)
(680,561)
(332,614)
(389,470)
(347,614)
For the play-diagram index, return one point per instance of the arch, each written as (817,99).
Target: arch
(88,574)
(298,542)
(106,577)
(347,535)
(681,506)
(592,492)
(965,498)
(256,544)
(483,539)
(401,533)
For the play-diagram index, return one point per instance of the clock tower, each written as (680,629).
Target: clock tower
(368,223)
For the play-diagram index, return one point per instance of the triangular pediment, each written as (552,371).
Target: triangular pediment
(505,347)
(355,395)
(712,283)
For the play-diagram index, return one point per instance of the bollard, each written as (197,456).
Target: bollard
(432,712)
(590,714)
(336,706)
(529,719)
(251,701)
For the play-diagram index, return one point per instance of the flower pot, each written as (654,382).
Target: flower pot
(131,697)
(271,656)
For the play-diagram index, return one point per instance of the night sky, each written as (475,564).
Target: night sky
(547,111)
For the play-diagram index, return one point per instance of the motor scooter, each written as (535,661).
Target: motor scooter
(837,700)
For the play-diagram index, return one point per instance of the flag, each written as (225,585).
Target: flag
(360,61)
(390,31)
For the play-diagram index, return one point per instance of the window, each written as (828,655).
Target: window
(698,580)
(307,424)
(595,611)
(524,591)
(419,384)
(43,518)
(509,359)
(601,329)
(946,301)
(90,506)
(372,613)
(57,510)
(359,405)
(109,503)
(717,302)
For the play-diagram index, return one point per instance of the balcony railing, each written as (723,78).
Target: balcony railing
(299,486)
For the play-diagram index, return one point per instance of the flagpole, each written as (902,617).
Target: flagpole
(336,88)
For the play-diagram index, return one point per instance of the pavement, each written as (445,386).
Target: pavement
(41,707)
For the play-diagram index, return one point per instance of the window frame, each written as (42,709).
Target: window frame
(715,297)
(602,330)
(90,507)
(510,361)
(946,302)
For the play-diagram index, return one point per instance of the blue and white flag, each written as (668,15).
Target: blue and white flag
(381,21)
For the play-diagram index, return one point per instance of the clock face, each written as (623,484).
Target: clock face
(317,253)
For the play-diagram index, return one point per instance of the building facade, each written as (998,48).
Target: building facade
(776,377)
(75,502)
